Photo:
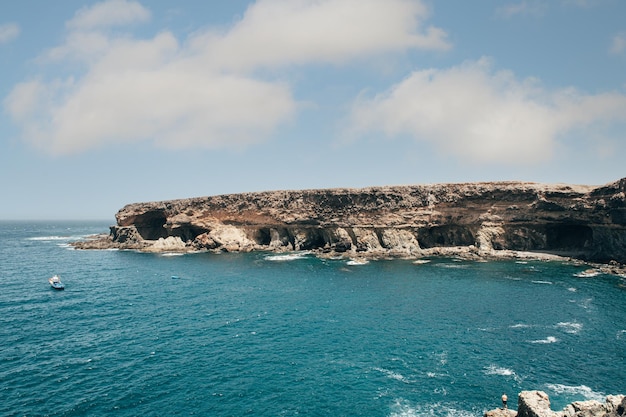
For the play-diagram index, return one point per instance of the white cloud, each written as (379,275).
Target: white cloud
(143,90)
(201,91)
(108,13)
(618,44)
(481,115)
(524,8)
(8,32)
(279,32)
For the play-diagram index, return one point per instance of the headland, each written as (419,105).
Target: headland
(485,219)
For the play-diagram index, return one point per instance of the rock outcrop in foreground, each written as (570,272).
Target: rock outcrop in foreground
(482,219)
(537,404)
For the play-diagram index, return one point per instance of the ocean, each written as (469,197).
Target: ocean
(261,334)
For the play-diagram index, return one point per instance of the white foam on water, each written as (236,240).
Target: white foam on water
(168,254)
(56,238)
(620,333)
(287,257)
(392,375)
(572,289)
(520,326)
(580,390)
(357,262)
(402,408)
(570,327)
(421,261)
(547,340)
(542,282)
(50,238)
(512,278)
(453,266)
(500,371)
(521,262)
(588,273)
(496,370)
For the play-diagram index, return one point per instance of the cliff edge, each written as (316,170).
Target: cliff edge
(537,404)
(485,219)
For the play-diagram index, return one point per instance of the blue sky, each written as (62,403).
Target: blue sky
(120,101)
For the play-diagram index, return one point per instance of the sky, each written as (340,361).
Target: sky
(121,101)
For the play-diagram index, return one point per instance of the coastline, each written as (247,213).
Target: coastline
(499,220)
(470,253)
(537,404)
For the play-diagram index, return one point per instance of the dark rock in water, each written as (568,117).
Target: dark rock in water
(537,404)
(471,219)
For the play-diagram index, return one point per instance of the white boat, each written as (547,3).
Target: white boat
(55,282)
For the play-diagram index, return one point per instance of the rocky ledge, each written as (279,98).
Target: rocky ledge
(537,404)
(472,219)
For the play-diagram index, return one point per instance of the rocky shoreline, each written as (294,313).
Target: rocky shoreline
(537,404)
(473,220)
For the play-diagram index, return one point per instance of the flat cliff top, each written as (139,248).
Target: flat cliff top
(361,205)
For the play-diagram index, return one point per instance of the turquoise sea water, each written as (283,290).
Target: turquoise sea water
(255,334)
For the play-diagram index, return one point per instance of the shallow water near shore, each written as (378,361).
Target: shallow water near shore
(266,335)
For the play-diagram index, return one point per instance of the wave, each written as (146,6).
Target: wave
(520,326)
(580,390)
(452,266)
(547,340)
(421,261)
(570,327)
(496,370)
(392,375)
(287,257)
(509,277)
(402,408)
(51,238)
(588,273)
(542,282)
(500,371)
(357,262)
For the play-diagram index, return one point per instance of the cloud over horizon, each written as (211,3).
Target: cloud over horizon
(200,91)
(482,115)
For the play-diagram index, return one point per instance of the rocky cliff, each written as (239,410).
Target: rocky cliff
(537,404)
(583,222)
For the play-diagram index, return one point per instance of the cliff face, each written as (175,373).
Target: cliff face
(579,221)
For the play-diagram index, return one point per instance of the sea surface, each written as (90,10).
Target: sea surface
(261,334)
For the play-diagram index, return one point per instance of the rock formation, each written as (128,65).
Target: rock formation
(537,404)
(483,219)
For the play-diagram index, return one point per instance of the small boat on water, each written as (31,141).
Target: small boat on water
(55,282)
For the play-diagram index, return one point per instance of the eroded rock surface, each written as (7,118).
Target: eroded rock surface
(537,404)
(483,219)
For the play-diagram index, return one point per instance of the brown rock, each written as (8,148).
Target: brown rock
(534,404)
(486,219)
(501,412)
